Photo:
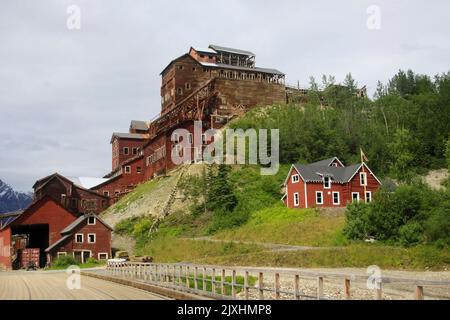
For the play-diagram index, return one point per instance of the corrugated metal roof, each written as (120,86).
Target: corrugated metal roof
(231,50)
(87,182)
(139,125)
(58,243)
(231,67)
(129,135)
(315,173)
(205,50)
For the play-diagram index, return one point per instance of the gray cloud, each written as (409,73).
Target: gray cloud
(63,92)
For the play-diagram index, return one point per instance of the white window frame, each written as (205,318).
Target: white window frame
(297,178)
(61,254)
(363,174)
(92,224)
(296,199)
(368,193)
(76,238)
(105,253)
(357,198)
(338,198)
(127,169)
(329,182)
(89,237)
(321,197)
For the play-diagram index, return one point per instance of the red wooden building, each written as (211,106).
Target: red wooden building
(214,85)
(328,183)
(60,211)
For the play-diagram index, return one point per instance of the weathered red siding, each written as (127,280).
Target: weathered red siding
(48,212)
(5,248)
(101,245)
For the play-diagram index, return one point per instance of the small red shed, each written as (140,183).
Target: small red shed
(328,183)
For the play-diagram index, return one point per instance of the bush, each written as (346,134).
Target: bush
(410,234)
(65,262)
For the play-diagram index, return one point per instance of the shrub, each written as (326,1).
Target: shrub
(410,234)
(64,262)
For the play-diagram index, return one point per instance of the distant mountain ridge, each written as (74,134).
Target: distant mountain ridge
(11,200)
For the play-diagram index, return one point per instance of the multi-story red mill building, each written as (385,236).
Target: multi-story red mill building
(213,85)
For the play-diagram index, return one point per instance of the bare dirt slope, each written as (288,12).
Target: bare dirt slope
(434,178)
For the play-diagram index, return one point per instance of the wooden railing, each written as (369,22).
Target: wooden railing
(255,283)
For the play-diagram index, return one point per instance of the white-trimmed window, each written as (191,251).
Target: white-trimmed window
(190,138)
(61,254)
(92,221)
(295,178)
(319,197)
(139,170)
(296,199)
(336,198)
(126,151)
(127,169)
(91,238)
(326,182)
(79,238)
(363,178)
(355,196)
(106,193)
(103,256)
(368,196)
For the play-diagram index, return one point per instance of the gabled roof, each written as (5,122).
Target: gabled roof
(60,177)
(326,162)
(315,173)
(80,220)
(186,55)
(30,207)
(9,217)
(230,50)
(135,136)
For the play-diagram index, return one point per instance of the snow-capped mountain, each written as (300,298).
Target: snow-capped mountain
(11,200)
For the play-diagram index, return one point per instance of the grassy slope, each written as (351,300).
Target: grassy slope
(269,221)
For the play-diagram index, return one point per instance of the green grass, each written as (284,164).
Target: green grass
(356,255)
(136,194)
(82,266)
(278,224)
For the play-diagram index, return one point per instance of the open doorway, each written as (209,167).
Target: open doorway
(37,237)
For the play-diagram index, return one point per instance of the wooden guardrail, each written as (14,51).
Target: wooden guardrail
(251,283)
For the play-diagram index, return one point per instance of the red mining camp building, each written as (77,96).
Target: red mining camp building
(212,85)
(62,220)
(328,183)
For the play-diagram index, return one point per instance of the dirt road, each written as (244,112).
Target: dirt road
(51,285)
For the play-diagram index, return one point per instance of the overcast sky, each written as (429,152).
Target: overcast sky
(63,92)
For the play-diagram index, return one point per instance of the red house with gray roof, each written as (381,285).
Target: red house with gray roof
(328,183)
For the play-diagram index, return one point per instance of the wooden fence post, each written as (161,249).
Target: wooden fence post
(379,292)
(297,287)
(213,281)
(204,278)
(261,286)
(233,284)
(195,278)
(180,278)
(187,277)
(418,293)
(246,287)
(347,289)
(277,286)
(319,288)
(222,282)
